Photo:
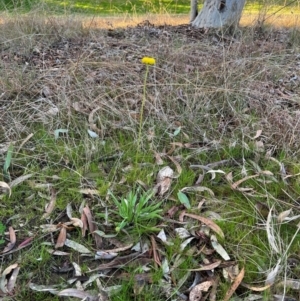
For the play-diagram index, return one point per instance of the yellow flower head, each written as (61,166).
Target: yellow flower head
(148,60)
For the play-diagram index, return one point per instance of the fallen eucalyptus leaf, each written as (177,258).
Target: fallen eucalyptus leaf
(235,285)
(77,222)
(213,173)
(12,239)
(4,279)
(50,207)
(207,267)
(72,292)
(93,134)
(57,252)
(196,292)
(290,283)
(281,216)
(5,186)
(77,247)
(53,289)
(105,255)
(208,222)
(273,273)
(218,248)
(61,238)
(19,180)
(270,232)
(258,133)
(166,172)
(185,243)
(198,189)
(182,233)
(12,279)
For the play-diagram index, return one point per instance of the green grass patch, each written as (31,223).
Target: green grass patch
(138,7)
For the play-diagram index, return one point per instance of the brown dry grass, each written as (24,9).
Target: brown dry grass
(208,83)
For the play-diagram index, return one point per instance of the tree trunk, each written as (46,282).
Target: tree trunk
(194,10)
(218,13)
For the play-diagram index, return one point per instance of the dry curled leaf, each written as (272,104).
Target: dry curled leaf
(213,172)
(237,183)
(208,222)
(235,285)
(89,191)
(259,146)
(77,222)
(19,180)
(258,133)
(229,177)
(105,255)
(270,233)
(76,246)
(290,283)
(5,186)
(8,278)
(273,274)
(163,186)
(207,267)
(57,252)
(198,189)
(12,279)
(50,207)
(218,248)
(120,249)
(25,243)
(256,288)
(158,159)
(43,288)
(163,180)
(283,215)
(166,172)
(72,292)
(61,238)
(196,292)
(178,167)
(84,221)
(230,271)
(92,226)
(12,240)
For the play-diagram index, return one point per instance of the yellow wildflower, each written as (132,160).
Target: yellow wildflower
(148,60)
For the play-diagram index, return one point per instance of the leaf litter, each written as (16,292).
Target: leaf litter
(197,233)
(137,258)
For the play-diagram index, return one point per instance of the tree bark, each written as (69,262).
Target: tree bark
(194,10)
(218,13)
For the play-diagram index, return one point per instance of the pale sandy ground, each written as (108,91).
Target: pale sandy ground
(248,19)
(277,20)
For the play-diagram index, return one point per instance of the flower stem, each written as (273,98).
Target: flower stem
(142,111)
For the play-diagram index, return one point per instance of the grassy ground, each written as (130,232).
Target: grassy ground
(203,143)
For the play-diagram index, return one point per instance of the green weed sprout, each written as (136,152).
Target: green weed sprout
(135,209)
(7,162)
(2,229)
(148,61)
